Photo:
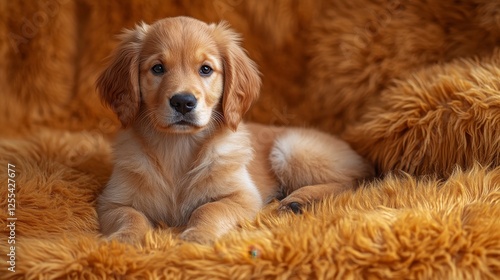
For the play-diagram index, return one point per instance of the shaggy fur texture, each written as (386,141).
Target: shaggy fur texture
(439,117)
(412,85)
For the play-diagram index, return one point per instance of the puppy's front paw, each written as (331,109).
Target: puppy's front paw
(193,234)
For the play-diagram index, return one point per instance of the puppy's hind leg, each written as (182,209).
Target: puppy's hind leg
(311,165)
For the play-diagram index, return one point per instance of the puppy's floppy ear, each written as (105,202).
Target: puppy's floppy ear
(119,83)
(241,77)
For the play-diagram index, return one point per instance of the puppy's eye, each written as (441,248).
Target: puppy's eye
(158,69)
(206,70)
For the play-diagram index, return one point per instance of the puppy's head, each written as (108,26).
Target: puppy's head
(181,75)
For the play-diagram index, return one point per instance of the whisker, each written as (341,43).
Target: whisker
(218,119)
(149,116)
(146,115)
(214,124)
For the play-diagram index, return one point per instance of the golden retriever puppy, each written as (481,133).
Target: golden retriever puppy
(180,88)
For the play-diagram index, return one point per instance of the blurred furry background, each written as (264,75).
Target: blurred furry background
(412,85)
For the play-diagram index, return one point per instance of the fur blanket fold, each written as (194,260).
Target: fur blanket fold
(414,87)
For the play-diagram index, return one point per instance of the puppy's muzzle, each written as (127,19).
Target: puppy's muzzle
(183,102)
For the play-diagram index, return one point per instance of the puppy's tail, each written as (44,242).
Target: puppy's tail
(302,157)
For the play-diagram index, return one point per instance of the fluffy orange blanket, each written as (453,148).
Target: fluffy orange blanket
(413,86)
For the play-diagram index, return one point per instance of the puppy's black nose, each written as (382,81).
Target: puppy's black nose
(183,102)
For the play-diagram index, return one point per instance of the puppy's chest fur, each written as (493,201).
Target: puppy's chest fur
(176,174)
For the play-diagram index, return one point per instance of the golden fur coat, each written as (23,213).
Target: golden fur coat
(413,86)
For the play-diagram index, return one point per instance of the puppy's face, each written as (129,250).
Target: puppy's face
(181,75)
